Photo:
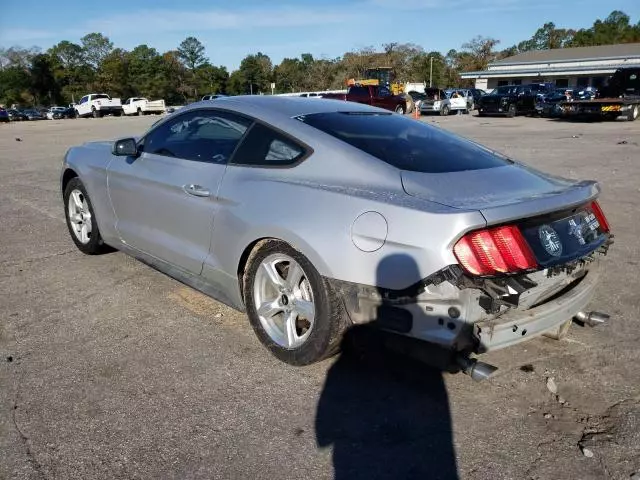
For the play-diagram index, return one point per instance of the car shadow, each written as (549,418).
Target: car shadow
(385,414)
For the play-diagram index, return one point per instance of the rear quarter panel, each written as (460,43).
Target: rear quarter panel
(317,219)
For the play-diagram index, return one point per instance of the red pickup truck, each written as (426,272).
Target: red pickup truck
(376,96)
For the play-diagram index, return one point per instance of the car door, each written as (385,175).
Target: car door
(458,100)
(382,98)
(165,200)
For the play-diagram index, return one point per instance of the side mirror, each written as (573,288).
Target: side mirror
(125,147)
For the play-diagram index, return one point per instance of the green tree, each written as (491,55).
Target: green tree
(14,83)
(191,52)
(95,48)
(113,75)
(42,84)
(211,79)
(255,73)
(145,71)
(289,75)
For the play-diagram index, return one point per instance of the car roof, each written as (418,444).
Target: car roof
(267,105)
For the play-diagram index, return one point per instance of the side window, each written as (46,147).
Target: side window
(384,92)
(200,135)
(265,147)
(83,100)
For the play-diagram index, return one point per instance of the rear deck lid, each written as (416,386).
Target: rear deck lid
(502,193)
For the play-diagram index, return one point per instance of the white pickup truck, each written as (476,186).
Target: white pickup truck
(142,106)
(98,104)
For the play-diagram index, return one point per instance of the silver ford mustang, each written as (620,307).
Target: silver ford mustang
(316,215)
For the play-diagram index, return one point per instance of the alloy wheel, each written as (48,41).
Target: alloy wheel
(284,300)
(80,216)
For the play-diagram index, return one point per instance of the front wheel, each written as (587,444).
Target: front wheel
(445,111)
(81,219)
(400,109)
(633,113)
(292,309)
(512,111)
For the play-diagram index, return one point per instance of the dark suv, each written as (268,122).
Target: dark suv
(512,100)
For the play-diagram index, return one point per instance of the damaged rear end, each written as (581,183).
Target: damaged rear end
(528,272)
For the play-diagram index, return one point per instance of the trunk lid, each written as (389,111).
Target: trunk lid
(553,214)
(501,194)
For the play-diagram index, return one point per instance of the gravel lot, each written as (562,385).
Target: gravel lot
(110,369)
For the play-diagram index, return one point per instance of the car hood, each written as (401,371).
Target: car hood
(500,193)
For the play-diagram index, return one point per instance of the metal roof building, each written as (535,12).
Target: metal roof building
(566,67)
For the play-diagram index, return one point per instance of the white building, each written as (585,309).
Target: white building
(566,67)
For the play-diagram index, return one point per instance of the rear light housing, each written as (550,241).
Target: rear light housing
(495,251)
(602,220)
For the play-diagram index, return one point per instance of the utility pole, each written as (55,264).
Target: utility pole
(430,71)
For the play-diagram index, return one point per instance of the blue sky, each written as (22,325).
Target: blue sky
(286,28)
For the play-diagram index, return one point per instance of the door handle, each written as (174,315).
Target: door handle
(196,190)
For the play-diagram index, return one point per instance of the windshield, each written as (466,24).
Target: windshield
(101,95)
(404,143)
(505,90)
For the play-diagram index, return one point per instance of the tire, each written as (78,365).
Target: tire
(95,113)
(400,109)
(117,113)
(633,113)
(94,244)
(139,112)
(77,114)
(323,335)
(444,111)
(512,112)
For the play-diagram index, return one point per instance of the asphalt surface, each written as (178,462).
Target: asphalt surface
(110,369)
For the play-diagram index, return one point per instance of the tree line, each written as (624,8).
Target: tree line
(68,70)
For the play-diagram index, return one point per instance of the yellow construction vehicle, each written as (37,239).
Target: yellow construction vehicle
(379,76)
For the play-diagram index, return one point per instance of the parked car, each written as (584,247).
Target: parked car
(16,115)
(4,116)
(374,95)
(69,112)
(550,106)
(97,105)
(33,114)
(314,215)
(417,97)
(511,100)
(439,101)
(55,113)
(142,106)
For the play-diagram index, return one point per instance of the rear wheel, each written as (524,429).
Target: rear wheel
(95,113)
(444,111)
(139,112)
(292,309)
(633,113)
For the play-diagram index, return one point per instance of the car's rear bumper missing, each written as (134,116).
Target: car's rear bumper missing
(520,325)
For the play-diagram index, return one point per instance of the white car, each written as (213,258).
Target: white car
(142,106)
(51,113)
(98,104)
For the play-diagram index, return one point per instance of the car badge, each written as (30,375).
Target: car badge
(550,240)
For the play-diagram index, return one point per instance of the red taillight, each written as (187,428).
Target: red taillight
(602,220)
(494,250)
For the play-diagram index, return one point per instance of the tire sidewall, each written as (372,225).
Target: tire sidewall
(318,344)
(95,244)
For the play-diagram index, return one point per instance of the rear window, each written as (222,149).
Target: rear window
(405,143)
